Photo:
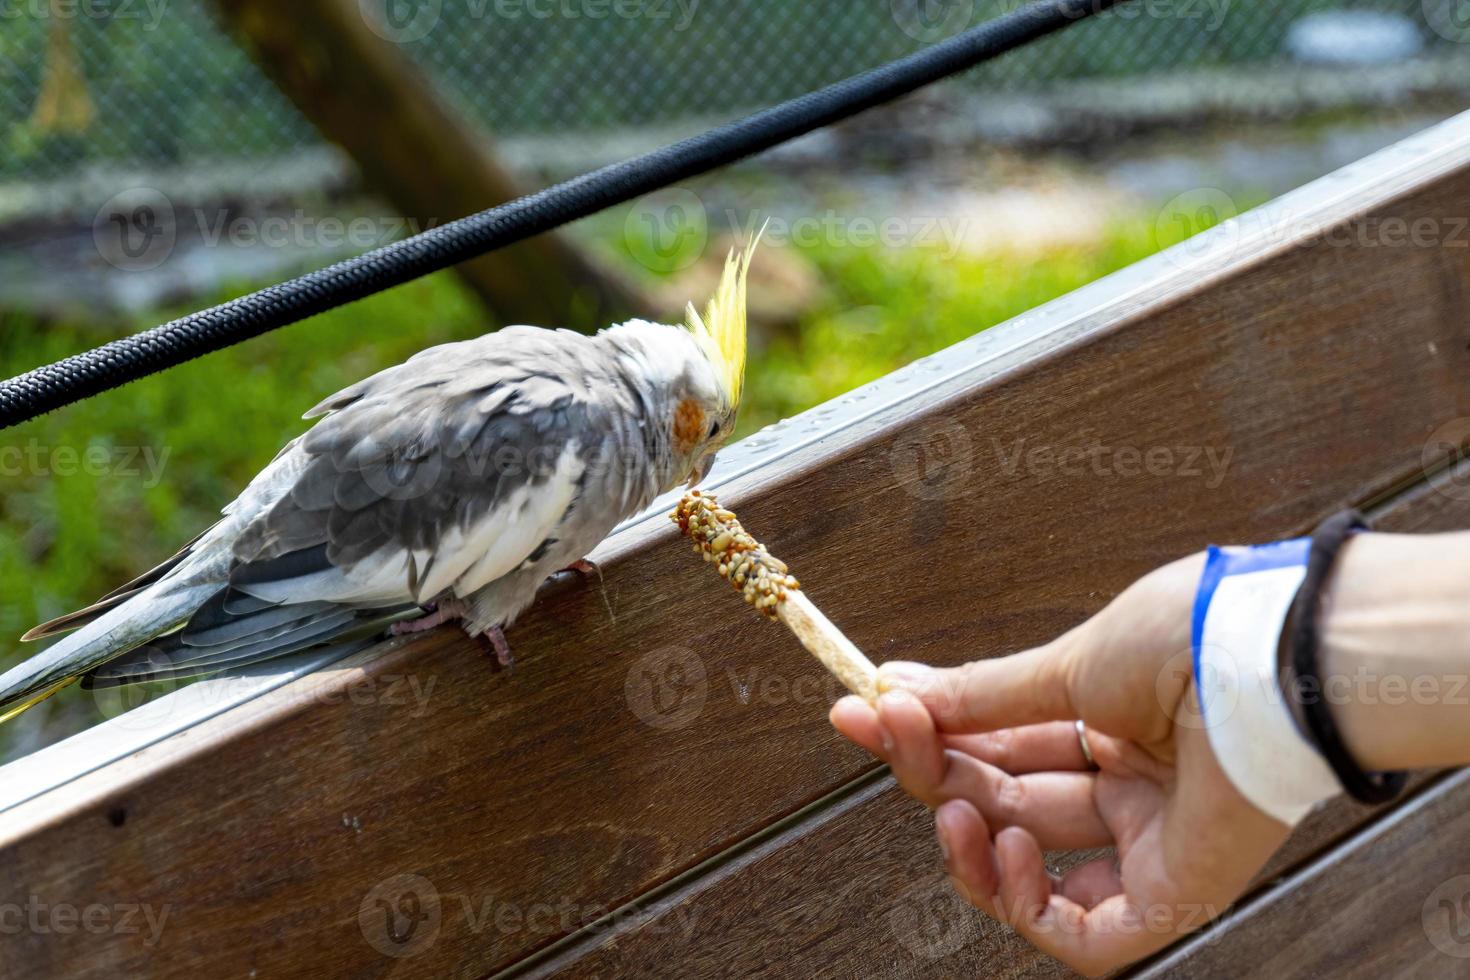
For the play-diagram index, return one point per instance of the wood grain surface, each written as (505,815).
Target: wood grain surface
(1393,901)
(416,812)
(866,883)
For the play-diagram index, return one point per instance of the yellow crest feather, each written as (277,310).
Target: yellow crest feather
(721,331)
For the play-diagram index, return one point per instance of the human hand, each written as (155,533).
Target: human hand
(992,747)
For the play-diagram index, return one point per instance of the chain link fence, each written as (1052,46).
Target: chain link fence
(156,83)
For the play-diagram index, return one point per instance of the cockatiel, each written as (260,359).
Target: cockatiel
(451,485)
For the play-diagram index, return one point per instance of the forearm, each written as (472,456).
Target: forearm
(1395,649)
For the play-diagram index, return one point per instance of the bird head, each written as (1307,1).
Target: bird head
(704,415)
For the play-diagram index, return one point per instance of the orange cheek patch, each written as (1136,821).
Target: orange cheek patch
(688,425)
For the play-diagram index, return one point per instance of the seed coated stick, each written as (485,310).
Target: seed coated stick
(767,585)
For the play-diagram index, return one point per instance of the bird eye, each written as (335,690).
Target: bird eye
(714,430)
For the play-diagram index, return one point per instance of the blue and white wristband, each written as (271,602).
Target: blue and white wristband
(1245,595)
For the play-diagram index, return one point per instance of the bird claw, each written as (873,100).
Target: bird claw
(495,637)
(451,609)
(585,568)
(439,613)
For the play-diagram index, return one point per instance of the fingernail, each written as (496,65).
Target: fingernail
(894,699)
(962,889)
(887,737)
(943,836)
(903,675)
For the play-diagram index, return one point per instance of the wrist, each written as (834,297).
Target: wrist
(1395,649)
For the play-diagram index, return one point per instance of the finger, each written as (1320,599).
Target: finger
(1094,941)
(858,722)
(917,755)
(1091,941)
(1025,886)
(1092,882)
(1054,923)
(1048,747)
(986,695)
(968,855)
(1058,808)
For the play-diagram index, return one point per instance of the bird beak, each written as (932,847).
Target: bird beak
(701,470)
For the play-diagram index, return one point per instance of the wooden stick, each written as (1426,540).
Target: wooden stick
(766,584)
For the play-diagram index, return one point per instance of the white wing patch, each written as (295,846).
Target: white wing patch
(465,559)
(512,531)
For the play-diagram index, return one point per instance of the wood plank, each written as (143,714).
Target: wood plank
(1390,902)
(655,727)
(863,881)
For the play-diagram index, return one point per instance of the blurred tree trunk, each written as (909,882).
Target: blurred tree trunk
(63,105)
(363,92)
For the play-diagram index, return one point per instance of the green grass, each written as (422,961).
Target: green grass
(220,419)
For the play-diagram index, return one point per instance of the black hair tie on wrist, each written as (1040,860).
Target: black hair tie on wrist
(1303,638)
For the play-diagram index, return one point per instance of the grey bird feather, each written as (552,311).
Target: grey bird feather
(466,475)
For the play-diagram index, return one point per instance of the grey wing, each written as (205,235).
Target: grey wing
(439,475)
(433,477)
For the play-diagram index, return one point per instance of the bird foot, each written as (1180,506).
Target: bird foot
(495,637)
(449,610)
(439,613)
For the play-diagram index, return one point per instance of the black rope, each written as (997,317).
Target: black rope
(83,375)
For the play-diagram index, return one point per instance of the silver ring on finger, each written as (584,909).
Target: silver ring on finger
(1085,746)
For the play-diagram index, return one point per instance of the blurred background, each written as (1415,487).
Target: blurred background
(157,156)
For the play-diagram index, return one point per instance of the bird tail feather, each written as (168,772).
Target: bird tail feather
(132,624)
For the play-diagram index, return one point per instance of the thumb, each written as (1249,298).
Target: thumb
(1007,692)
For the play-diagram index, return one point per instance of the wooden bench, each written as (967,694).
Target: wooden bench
(655,788)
